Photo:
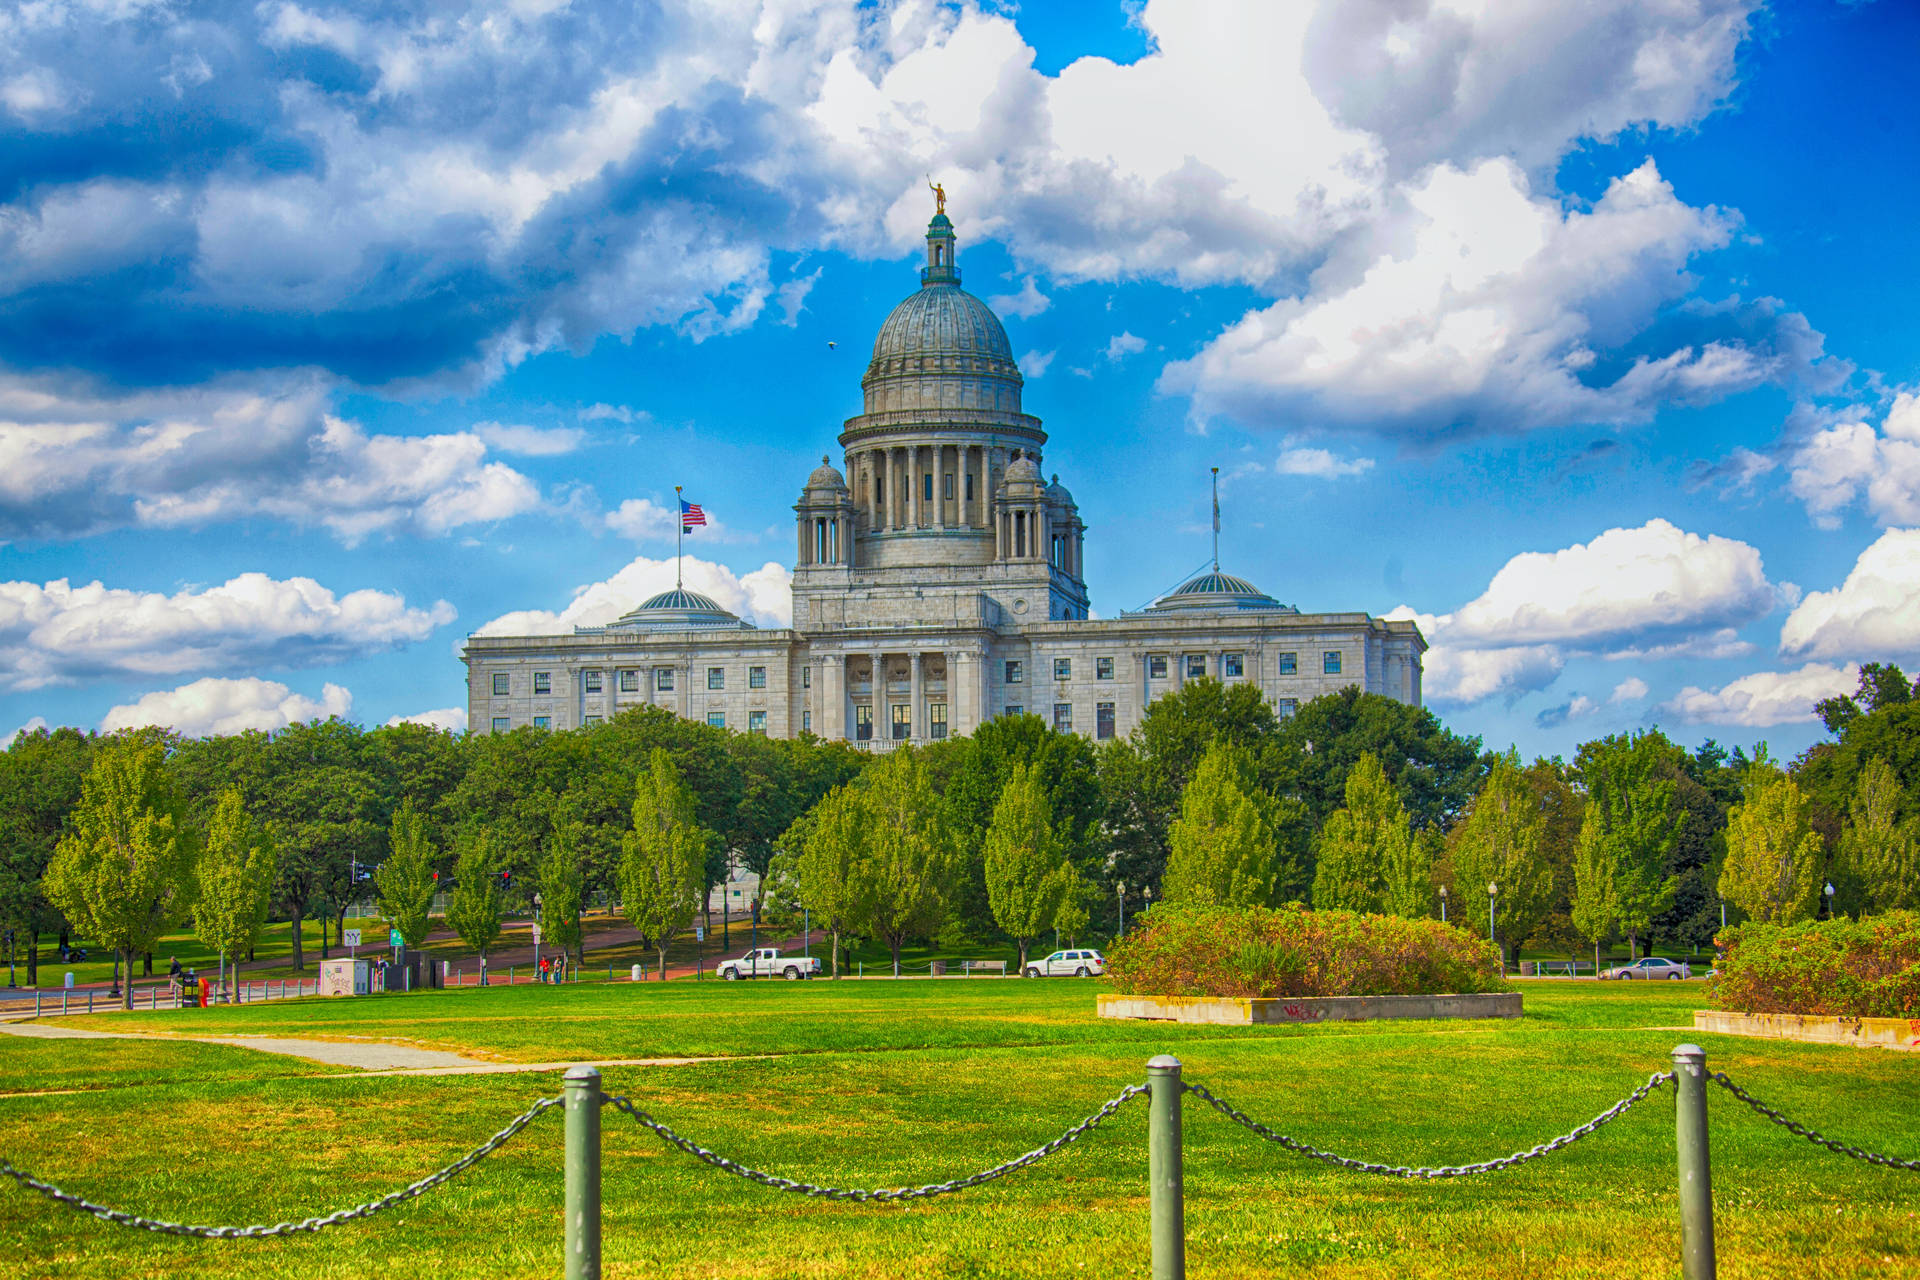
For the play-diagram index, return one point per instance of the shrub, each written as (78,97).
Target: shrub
(1834,968)
(1195,950)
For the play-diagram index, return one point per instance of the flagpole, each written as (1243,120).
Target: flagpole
(680,528)
(1216,519)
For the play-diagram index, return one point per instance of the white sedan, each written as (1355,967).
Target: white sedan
(1650,967)
(1081,964)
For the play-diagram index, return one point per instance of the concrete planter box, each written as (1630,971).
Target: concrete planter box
(1881,1033)
(1252,1011)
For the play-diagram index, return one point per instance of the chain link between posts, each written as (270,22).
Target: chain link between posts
(1817,1138)
(372,1207)
(721,1162)
(1241,1118)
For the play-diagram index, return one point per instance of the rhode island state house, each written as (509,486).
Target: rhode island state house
(937,583)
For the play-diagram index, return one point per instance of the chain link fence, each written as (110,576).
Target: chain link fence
(584,1099)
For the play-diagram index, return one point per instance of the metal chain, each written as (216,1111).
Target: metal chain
(1445,1171)
(887,1193)
(407,1192)
(1811,1135)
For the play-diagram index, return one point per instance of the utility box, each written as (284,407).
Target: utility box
(347,976)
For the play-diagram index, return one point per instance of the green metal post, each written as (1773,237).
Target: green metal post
(1696,1178)
(1166,1183)
(582,1093)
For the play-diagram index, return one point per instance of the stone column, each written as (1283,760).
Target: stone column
(916,510)
(939,486)
(831,695)
(916,691)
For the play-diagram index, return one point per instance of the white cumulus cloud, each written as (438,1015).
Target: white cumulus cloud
(217,706)
(531,442)
(1763,698)
(450,719)
(1123,345)
(1833,468)
(1305,460)
(57,632)
(1632,689)
(1875,613)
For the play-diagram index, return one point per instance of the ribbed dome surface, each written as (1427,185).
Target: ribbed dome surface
(1214,590)
(675,610)
(943,319)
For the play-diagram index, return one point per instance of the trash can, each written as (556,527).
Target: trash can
(636,973)
(938,968)
(206,988)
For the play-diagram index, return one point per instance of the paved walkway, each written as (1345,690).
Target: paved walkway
(371,1057)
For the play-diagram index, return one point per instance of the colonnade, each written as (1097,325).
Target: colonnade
(892,485)
(855,698)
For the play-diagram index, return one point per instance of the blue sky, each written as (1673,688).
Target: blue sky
(331,333)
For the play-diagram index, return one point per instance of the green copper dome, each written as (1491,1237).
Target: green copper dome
(1215,591)
(675,610)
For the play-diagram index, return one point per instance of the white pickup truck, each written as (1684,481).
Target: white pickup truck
(767,962)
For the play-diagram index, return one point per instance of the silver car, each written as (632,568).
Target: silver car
(1650,967)
(1081,964)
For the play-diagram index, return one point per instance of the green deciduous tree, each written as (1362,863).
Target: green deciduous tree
(475,910)
(1503,842)
(1026,868)
(404,883)
(1878,847)
(234,881)
(663,859)
(1772,871)
(1360,841)
(908,869)
(562,890)
(41,776)
(123,872)
(1223,849)
(1633,824)
(826,850)
(1592,908)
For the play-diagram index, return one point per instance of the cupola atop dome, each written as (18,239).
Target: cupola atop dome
(826,478)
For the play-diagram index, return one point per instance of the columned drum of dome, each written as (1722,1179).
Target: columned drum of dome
(938,582)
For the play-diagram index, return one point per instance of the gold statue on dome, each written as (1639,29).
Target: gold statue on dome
(939,197)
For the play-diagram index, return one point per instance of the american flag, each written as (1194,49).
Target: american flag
(690,515)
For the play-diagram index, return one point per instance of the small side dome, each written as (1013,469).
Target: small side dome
(1217,592)
(826,479)
(1057,494)
(675,610)
(1024,470)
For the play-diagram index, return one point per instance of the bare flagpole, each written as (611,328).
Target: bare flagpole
(1216,519)
(680,529)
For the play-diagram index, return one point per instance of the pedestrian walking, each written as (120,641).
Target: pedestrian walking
(546,969)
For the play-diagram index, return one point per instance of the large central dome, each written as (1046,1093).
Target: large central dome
(942,348)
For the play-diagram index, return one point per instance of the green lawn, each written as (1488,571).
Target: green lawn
(884,1083)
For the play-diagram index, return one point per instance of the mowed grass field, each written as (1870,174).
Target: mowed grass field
(892,1083)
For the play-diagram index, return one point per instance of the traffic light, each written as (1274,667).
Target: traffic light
(506,879)
(436,879)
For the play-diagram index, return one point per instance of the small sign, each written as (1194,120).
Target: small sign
(699,933)
(352,937)
(394,939)
(536,934)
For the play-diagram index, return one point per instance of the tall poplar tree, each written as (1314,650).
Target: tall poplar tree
(1026,866)
(828,846)
(1772,871)
(1222,846)
(1360,841)
(1592,909)
(1631,822)
(562,889)
(404,883)
(1880,849)
(663,858)
(909,864)
(123,872)
(475,910)
(1502,842)
(234,882)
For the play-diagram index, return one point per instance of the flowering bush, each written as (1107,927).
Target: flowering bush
(1259,951)
(1837,968)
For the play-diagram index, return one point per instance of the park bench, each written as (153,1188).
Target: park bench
(969,967)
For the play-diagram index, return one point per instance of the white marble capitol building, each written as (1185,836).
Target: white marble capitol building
(938,584)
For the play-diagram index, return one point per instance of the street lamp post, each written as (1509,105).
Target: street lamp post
(10,982)
(536,935)
(1829,899)
(1493,894)
(1443,904)
(1118,888)
(806,931)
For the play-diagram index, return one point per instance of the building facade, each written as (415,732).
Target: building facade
(937,583)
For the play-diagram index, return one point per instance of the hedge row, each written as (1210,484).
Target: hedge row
(1261,951)
(1834,968)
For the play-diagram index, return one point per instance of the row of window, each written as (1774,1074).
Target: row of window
(595,681)
(756,721)
(900,725)
(1232,666)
